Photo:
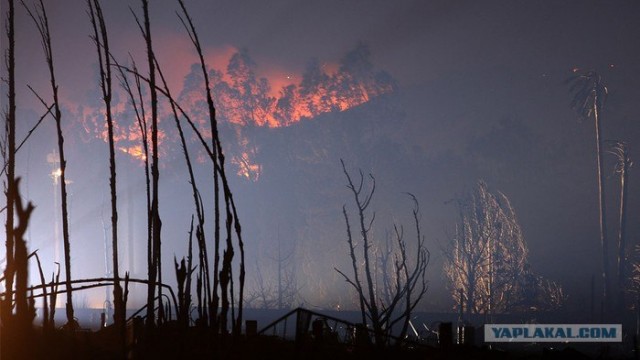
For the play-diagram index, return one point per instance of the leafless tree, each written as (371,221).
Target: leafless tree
(279,291)
(223,278)
(17,327)
(486,261)
(487,254)
(137,103)
(589,96)
(537,294)
(154,253)
(409,274)
(199,208)
(287,284)
(9,156)
(183,277)
(39,17)
(101,40)
(223,291)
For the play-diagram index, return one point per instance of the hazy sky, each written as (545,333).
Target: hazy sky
(480,94)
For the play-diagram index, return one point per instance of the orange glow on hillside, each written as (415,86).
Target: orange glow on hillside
(245,96)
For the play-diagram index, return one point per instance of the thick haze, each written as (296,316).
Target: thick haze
(478,93)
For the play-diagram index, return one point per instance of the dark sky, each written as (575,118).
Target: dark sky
(480,94)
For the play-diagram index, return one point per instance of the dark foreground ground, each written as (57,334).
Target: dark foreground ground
(192,343)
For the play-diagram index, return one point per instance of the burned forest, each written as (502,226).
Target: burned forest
(283,179)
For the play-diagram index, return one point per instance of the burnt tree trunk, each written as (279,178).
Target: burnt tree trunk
(606,277)
(101,40)
(10,123)
(155,266)
(39,17)
(232,223)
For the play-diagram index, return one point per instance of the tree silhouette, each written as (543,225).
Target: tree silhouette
(17,328)
(279,291)
(154,253)
(623,163)
(408,274)
(589,96)
(9,152)
(39,17)
(101,41)
(315,89)
(225,277)
(486,259)
(185,270)
(486,262)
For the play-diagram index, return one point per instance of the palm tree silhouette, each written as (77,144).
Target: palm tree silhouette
(589,96)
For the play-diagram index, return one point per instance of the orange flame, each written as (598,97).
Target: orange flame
(135,151)
(246,168)
(243,100)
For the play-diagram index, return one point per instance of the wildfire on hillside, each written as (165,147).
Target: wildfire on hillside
(244,100)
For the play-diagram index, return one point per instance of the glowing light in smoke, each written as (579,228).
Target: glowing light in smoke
(55,175)
(136,151)
(246,168)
